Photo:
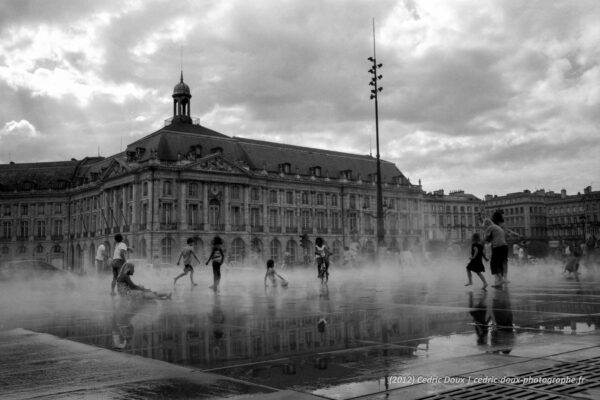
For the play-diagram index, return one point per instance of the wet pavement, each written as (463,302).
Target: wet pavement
(388,333)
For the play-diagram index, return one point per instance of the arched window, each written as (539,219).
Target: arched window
(238,249)
(166,250)
(275,250)
(39,249)
(291,249)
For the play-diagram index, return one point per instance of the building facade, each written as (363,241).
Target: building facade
(186,180)
(452,217)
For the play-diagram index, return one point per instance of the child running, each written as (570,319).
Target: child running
(186,253)
(271,274)
(217,256)
(475,261)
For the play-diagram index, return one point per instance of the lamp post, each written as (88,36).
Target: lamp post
(374,91)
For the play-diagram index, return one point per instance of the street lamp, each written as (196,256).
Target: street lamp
(374,91)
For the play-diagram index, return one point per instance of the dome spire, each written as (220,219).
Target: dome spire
(181,101)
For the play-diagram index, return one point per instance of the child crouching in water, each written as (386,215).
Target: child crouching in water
(127,288)
(271,274)
(475,261)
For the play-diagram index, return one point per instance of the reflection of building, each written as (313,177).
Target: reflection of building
(453,217)
(186,180)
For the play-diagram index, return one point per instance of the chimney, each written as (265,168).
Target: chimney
(563,193)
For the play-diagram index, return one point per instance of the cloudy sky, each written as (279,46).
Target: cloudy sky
(485,96)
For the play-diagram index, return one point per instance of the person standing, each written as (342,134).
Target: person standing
(101,258)
(217,256)
(119,258)
(497,237)
(186,253)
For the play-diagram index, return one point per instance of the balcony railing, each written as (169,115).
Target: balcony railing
(291,229)
(238,228)
(256,228)
(322,230)
(125,228)
(168,227)
(5,239)
(275,229)
(143,227)
(107,231)
(369,231)
(39,237)
(196,227)
(22,238)
(336,231)
(217,227)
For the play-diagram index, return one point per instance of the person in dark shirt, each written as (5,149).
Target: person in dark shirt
(475,261)
(126,287)
(217,256)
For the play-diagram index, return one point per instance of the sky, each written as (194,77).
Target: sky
(489,97)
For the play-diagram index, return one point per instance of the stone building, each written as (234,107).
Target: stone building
(452,217)
(574,217)
(186,180)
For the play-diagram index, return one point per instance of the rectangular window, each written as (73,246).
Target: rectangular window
(193,216)
(24,209)
(144,214)
(273,219)
(193,190)
(40,208)
(145,189)
(319,199)
(306,219)
(6,229)
(289,219)
(24,229)
(167,188)
(236,216)
(273,196)
(352,222)
(254,194)
(7,210)
(335,220)
(304,197)
(166,213)
(289,197)
(40,228)
(255,217)
(321,220)
(58,227)
(235,192)
(334,200)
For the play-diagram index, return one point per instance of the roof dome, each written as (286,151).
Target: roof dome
(181,88)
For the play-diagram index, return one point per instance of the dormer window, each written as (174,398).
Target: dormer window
(346,174)
(315,171)
(27,185)
(286,168)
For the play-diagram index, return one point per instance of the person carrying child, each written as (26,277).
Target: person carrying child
(186,253)
(475,261)
(271,275)
(217,256)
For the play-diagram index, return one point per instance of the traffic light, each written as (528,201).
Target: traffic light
(304,242)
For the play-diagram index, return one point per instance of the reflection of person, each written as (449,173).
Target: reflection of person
(126,287)
(480,317)
(503,334)
(475,261)
(186,253)
(119,258)
(122,328)
(101,258)
(217,318)
(217,256)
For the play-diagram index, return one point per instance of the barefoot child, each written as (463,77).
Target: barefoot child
(127,288)
(217,256)
(475,262)
(186,253)
(271,274)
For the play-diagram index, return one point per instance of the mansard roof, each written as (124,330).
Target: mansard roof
(177,140)
(43,175)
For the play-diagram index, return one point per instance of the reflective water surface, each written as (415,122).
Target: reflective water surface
(339,340)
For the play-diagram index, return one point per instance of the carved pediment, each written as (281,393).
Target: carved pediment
(116,168)
(216,163)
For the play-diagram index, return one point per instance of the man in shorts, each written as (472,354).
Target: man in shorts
(119,258)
